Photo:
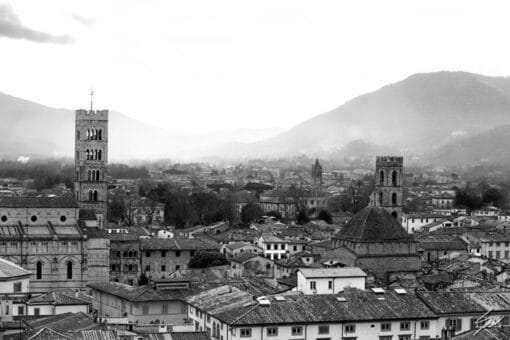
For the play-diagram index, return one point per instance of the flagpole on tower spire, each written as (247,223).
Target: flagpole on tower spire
(91,99)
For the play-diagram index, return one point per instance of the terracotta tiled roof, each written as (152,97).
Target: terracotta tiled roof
(39,202)
(373,224)
(9,269)
(178,244)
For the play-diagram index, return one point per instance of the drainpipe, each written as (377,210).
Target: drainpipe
(415,322)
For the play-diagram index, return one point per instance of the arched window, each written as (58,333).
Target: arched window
(130,253)
(394,199)
(69,270)
(125,253)
(95,195)
(381,177)
(91,195)
(88,134)
(38,270)
(125,267)
(118,253)
(380,198)
(394,214)
(394,178)
(97,175)
(100,135)
(130,267)
(99,155)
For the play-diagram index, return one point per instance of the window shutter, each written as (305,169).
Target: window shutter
(458,325)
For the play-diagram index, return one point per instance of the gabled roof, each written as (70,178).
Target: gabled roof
(178,243)
(373,224)
(356,305)
(39,202)
(138,294)
(332,272)
(246,256)
(56,298)
(202,335)
(10,270)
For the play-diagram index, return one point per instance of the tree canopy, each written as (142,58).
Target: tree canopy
(204,259)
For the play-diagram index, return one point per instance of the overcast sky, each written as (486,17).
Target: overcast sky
(210,65)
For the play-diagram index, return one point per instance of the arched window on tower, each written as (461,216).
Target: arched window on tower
(394,178)
(69,270)
(97,175)
(380,198)
(38,270)
(90,195)
(381,177)
(95,195)
(99,155)
(394,199)
(100,135)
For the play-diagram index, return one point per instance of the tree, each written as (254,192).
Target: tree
(302,217)
(251,212)
(143,280)
(325,216)
(494,196)
(117,208)
(204,259)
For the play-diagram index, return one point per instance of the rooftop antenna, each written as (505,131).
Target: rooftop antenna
(91,99)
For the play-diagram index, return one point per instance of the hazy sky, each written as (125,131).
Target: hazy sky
(210,65)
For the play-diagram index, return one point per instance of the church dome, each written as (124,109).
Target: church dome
(373,224)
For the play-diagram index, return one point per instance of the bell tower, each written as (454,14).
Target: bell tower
(91,160)
(388,192)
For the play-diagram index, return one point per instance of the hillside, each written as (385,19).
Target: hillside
(31,129)
(416,115)
(489,147)
(420,112)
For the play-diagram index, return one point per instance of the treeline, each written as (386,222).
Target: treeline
(47,174)
(117,170)
(473,198)
(181,208)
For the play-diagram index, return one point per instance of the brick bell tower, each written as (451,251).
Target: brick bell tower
(388,192)
(91,160)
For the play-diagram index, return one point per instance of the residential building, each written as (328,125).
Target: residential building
(55,303)
(14,285)
(329,280)
(441,247)
(494,245)
(235,248)
(139,305)
(160,257)
(275,248)
(229,313)
(414,222)
(252,264)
